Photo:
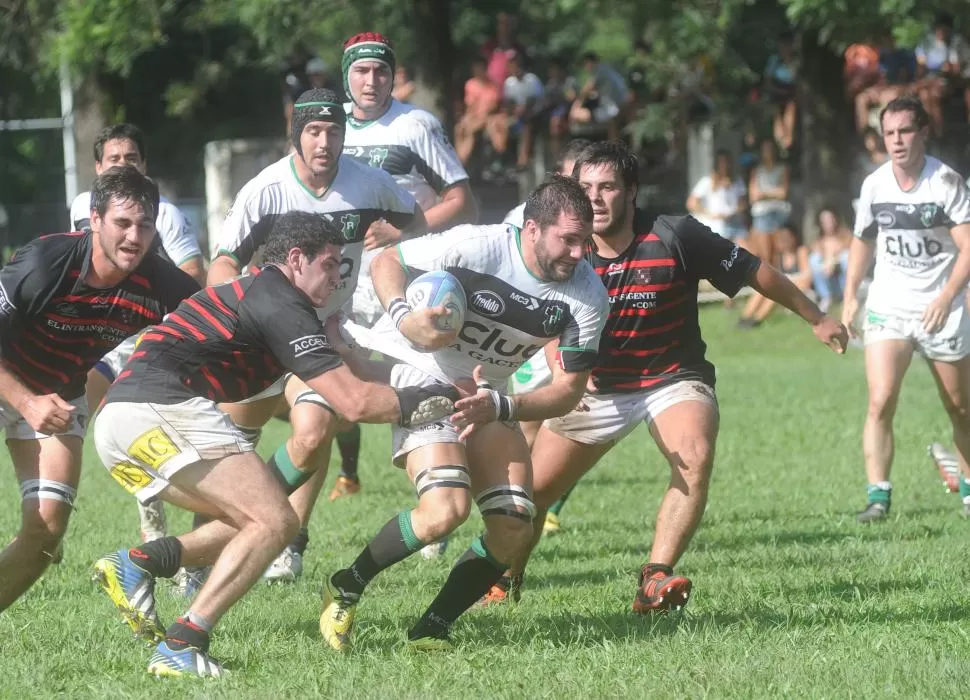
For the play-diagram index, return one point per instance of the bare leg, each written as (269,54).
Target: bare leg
(886,365)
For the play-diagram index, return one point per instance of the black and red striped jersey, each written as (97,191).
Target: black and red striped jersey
(54,327)
(652,336)
(228,343)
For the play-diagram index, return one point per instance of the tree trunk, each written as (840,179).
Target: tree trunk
(436,60)
(89,119)
(827,139)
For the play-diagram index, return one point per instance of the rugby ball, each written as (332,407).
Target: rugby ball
(439,288)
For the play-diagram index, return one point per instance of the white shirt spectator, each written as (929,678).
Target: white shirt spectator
(519,91)
(722,202)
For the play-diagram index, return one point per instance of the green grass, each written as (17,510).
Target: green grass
(792,598)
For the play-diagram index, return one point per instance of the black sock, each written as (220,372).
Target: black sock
(300,542)
(183,633)
(349,445)
(160,558)
(396,541)
(475,572)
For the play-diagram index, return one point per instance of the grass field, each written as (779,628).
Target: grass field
(792,598)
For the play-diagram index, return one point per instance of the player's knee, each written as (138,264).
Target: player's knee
(958,411)
(313,427)
(694,459)
(882,405)
(47,506)
(282,526)
(444,498)
(508,511)
(43,531)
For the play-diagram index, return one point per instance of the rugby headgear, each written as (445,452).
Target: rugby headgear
(316,105)
(366,46)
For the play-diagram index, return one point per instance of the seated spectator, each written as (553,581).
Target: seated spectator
(781,77)
(871,159)
(481,112)
(522,94)
(897,71)
(499,50)
(719,200)
(791,258)
(768,193)
(601,95)
(830,257)
(555,104)
(939,58)
(861,68)
(403,85)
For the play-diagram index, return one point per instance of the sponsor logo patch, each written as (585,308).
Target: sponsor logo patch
(885,219)
(6,306)
(154,448)
(131,477)
(309,344)
(529,302)
(488,304)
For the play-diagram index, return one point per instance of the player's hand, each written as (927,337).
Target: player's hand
(483,407)
(832,333)
(419,327)
(334,335)
(936,313)
(850,306)
(48,414)
(380,234)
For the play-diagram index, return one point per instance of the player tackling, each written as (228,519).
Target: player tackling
(914,215)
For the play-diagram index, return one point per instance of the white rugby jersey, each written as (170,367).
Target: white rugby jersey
(410,144)
(511,314)
(357,197)
(516,216)
(174,232)
(915,253)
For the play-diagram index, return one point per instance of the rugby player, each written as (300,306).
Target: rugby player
(410,144)
(914,215)
(162,435)
(318,179)
(528,291)
(124,144)
(651,366)
(65,301)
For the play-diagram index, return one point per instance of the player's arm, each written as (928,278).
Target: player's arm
(243,232)
(403,218)
(390,278)
(21,286)
(179,242)
(558,397)
(457,206)
(861,250)
(957,210)
(441,168)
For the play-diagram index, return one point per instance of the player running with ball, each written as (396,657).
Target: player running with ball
(651,366)
(528,291)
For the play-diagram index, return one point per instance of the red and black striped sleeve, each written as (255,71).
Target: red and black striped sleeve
(706,255)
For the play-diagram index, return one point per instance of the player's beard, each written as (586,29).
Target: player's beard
(553,269)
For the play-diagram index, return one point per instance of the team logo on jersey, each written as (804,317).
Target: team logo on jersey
(488,303)
(377,156)
(553,317)
(614,269)
(927,214)
(6,306)
(349,224)
(529,302)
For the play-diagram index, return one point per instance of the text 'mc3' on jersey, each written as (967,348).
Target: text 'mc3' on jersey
(652,337)
(358,196)
(54,327)
(511,313)
(228,343)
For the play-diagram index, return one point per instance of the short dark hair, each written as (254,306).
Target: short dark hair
(119,131)
(907,103)
(614,154)
(311,233)
(124,183)
(572,151)
(556,196)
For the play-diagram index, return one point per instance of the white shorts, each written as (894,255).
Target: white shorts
(533,373)
(404,440)
(611,417)
(949,344)
(366,306)
(277,388)
(18,429)
(111,364)
(143,445)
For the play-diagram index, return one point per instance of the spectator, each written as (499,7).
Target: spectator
(768,192)
(481,112)
(555,102)
(499,50)
(718,200)
(830,257)
(637,79)
(873,157)
(792,259)
(897,71)
(939,59)
(601,96)
(523,92)
(781,77)
(861,68)
(403,85)
(749,152)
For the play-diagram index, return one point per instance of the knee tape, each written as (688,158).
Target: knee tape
(48,489)
(251,434)
(445,476)
(312,397)
(506,500)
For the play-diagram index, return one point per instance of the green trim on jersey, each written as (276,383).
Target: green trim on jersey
(518,244)
(228,254)
(302,184)
(190,257)
(570,349)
